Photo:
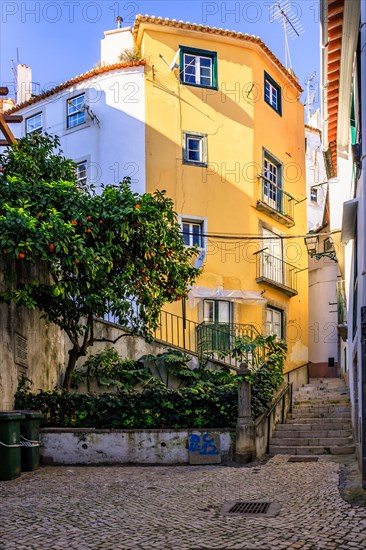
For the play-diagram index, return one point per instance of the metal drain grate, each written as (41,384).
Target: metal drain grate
(303,459)
(250,508)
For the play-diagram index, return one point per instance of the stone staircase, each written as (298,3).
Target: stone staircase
(320,422)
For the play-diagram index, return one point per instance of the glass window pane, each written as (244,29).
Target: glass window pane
(194,144)
(34,123)
(224,312)
(194,149)
(189,69)
(186,233)
(196,234)
(205,62)
(194,156)
(208,311)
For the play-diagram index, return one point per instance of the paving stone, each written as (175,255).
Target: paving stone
(178,508)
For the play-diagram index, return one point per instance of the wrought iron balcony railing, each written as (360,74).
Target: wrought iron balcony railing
(276,202)
(216,340)
(210,341)
(276,273)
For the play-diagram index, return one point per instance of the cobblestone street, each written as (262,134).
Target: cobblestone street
(179,508)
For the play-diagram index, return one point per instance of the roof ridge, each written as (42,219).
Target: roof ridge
(220,32)
(75,80)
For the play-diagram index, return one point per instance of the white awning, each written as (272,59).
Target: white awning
(248,297)
(349,220)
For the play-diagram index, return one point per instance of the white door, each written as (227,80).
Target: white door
(272,257)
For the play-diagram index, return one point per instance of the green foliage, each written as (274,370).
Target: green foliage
(128,55)
(154,407)
(176,364)
(256,351)
(267,365)
(109,369)
(103,253)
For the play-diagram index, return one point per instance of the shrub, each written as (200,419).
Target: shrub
(128,55)
(108,368)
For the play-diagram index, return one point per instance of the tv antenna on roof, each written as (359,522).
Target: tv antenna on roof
(290,22)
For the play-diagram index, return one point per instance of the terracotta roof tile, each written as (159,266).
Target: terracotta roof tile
(219,32)
(312,128)
(75,80)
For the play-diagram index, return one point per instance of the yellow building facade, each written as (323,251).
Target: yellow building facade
(225,139)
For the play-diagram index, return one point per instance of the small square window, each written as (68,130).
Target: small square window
(198,67)
(75,114)
(314,194)
(192,233)
(272,93)
(81,174)
(195,149)
(33,124)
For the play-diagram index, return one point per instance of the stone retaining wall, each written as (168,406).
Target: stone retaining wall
(86,446)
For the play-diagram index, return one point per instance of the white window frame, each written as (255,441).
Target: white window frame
(272,185)
(272,332)
(82,182)
(37,129)
(272,95)
(197,72)
(202,139)
(195,220)
(72,111)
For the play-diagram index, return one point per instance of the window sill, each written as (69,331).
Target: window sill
(199,85)
(199,164)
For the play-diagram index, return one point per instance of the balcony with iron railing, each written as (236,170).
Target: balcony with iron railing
(276,202)
(276,273)
(209,341)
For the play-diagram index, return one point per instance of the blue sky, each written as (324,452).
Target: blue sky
(60,39)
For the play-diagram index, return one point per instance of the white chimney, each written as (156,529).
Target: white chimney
(113,43)
(24,91)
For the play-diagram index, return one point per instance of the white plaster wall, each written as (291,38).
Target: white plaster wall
(323,316)
(315,174)
(116,147)
(340,190)
(85,446)
(113,43)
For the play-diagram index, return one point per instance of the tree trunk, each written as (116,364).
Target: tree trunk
(74,355)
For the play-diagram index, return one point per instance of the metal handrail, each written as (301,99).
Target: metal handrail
(203,339)
(260,176)
(276,197)
(281,397)
(276,269)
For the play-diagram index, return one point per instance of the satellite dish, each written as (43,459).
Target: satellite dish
(201,258)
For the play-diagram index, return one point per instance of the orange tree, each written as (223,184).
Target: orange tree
(113,252)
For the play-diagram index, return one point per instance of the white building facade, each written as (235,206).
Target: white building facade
(344,124)
(99,116)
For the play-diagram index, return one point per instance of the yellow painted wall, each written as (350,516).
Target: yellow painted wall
(238,128)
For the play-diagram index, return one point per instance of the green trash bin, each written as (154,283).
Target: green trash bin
(29,440)
(10,457)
